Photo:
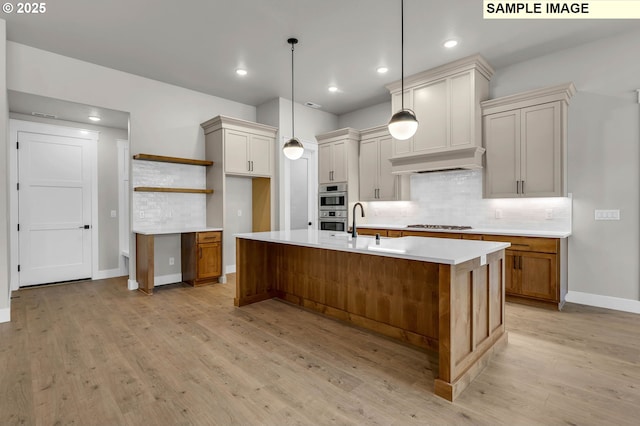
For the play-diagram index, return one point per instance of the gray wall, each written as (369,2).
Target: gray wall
(108,244)
(366,118)
(238,197)
(4,179)
(165,119)
(604,156)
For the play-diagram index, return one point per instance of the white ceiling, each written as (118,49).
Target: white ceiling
(26,103)
(198,44)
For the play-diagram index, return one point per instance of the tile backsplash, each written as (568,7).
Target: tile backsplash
(455,198)
(168,210)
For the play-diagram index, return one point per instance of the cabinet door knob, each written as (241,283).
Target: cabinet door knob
(522,187)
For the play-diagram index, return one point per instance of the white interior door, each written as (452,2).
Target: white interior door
(54,208)
(304,190)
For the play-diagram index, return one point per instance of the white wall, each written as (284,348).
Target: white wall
(603,157)
(366,118)
(4,181)
(309,122)
(165,119)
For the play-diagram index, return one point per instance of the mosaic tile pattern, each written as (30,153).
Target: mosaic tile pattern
(455,198)
(162,210)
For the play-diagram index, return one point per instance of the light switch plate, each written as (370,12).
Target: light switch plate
(607,215)
(113,213)
(499,214)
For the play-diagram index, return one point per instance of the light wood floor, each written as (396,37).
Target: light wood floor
(96,353)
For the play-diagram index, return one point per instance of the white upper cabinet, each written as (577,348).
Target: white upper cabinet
(248,147)
(377,183)
(525,137)
(338,157)
(446,101)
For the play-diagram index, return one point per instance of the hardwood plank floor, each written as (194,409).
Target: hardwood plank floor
(95,353)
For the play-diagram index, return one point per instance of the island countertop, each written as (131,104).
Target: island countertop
(435,250)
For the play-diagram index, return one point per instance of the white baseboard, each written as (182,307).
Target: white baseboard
(108,273)
(616,303)
(167,279)
(157,281)
(132,284)
(5,315)
(230,269)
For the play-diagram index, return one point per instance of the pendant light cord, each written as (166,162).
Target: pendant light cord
(402,51)
(293,132)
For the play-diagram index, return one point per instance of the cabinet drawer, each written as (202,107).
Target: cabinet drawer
(209,237)
(372,232)
(538,244)
(394,233)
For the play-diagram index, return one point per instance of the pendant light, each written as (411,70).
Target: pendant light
(293,149)
(403,124)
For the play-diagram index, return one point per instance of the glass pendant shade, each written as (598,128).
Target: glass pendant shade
(293,149)
(403,124)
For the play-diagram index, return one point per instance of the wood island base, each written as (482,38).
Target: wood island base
(455,310)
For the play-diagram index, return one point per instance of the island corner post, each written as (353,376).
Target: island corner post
(455,310)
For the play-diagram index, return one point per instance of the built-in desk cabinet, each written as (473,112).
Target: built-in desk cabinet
(201,257)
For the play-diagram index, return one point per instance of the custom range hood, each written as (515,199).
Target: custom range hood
(458,159)
(446,100)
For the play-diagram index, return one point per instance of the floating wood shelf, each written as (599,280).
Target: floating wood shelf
(161,189)
(163,159)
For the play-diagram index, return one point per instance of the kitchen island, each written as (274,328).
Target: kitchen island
(441,295)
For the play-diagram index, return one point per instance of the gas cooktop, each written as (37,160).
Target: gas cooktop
(448,227)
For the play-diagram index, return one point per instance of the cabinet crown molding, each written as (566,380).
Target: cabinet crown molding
(374,132)
(222,121)
(340,134)
(472,62)
(561,92)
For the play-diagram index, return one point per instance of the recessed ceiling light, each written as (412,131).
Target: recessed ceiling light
(94,118)
(333,89)
(241,71)
(450,43)
(382,70)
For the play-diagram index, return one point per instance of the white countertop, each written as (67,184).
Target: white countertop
(167,231)
(487,231)
(436,250)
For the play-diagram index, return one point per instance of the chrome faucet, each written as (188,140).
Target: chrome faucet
(354,233)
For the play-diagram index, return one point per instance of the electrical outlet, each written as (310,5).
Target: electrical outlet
(113,213)
(548,214)
(607,215)
(239,213)
(499,214)
(141,214)
(172,261)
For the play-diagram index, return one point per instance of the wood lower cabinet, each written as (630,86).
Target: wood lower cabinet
(201,257)
(391,233)
(535,267)
(533,270)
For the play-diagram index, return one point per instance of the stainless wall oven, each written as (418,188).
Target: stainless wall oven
(334,220)
(333,197)
(332,203)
